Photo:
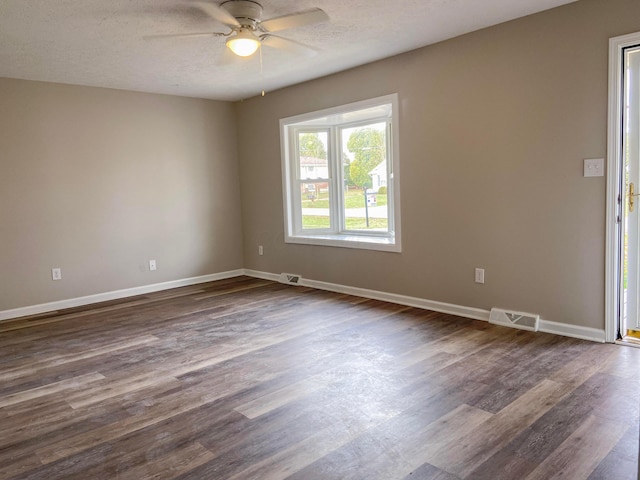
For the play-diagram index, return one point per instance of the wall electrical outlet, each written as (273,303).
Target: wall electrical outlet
(479,275)
(152,265)
(260,250)
(56,274)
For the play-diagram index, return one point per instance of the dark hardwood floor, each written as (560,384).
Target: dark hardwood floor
(250,379)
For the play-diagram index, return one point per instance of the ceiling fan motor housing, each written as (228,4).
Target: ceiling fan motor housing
(247,12)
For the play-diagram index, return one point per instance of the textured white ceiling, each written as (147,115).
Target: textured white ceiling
(100,43)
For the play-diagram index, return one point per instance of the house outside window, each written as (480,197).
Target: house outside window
(341,176)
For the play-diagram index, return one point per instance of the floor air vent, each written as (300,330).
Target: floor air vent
(525,321)
(290,278)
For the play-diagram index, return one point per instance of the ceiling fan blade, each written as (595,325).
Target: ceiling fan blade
(292,46)
(218,13)
(299,19)
(184,35)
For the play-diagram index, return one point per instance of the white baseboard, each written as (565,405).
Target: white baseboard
(547,326)
(467,312)
(114,295)
(261,275)
(575,331)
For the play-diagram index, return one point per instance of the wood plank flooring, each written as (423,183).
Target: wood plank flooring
(250,379)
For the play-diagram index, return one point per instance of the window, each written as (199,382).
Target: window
(340,176)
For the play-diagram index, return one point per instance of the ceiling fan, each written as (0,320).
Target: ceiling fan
(247,29)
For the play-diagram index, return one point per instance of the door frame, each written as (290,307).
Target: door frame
(615,184)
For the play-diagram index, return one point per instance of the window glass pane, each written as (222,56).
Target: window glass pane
(364,164)
(312,155)
(314,180)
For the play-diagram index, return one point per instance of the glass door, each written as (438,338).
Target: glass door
(630,282)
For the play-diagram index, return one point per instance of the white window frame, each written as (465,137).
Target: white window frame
(337,235)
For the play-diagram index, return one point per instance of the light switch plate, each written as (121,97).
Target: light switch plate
(594,167)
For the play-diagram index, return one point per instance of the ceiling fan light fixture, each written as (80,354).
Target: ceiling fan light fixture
(244,43)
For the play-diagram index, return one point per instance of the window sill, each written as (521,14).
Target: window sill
(384,244)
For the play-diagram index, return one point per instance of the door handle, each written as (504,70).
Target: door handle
(632,193)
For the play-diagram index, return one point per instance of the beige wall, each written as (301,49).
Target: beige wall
(99,181)
(494,127)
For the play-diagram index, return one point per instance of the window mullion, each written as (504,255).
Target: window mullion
(391,182)
(336,212)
